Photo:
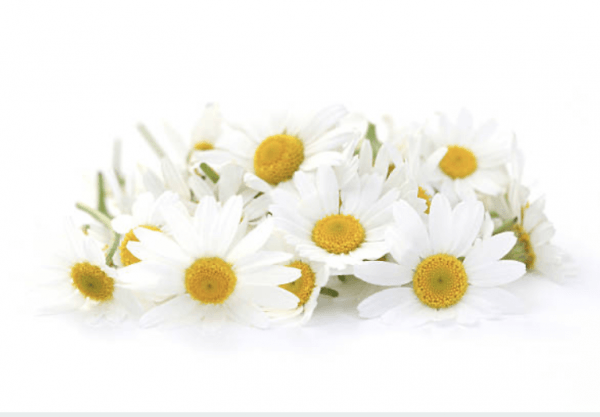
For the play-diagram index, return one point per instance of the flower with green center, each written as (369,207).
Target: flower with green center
(441,270)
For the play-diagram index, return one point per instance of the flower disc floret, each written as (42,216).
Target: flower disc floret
(303,286)
(210,280)
(440,281)
(338,233)
(278,157)
(92,282)
(458,162)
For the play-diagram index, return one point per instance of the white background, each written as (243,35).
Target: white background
(75,75)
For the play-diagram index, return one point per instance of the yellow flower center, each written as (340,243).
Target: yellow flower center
(425,196)
(127,258)
(203,146)
(338,233)
(92,282)
(210,280)
(278,157)
(458,162)
(523,249)
(303,286)
(440,281)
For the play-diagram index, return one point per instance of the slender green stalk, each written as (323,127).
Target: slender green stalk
(151,141)
(117,162)
(329,291)
(102,196)
(210,173)
(101,217)
(114,245)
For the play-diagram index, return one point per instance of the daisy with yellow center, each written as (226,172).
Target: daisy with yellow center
(204,144)
(314,275)
(87,284)
(145,212)
(440,269)
(339,226)
(209,268)
(461,160)
(273,153)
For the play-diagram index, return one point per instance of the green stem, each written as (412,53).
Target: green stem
(210,173)
(105,220)
(330,292)
(151,141)
(102,196)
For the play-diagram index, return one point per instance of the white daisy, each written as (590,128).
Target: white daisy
(462,161)
(211,269)
(204,142)
(85,283)
(307,288)
(441,270)
(274,152)
(145,212)
(339,226)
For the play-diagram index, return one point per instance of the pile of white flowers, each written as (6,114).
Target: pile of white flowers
(253,223)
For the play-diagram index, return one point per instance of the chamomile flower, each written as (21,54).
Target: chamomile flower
(145,212)
(274,152)
(339,226)
(203,145)
(440,270)
(85,283)
(462,161)
(307,288)
(211,268)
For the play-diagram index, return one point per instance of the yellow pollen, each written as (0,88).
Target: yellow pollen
(338,233)
(127,258)
(303,286)
(210,280)
(391,167)
(524,247)
(92,282)
(440,281)
(425,196)
(458,162)
(278,157)
(203,146)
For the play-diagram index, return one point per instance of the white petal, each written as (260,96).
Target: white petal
(246,313)
(383,273)
(440,224)
(271,297)
(252,242)
(328,190)
(262,258)
(495,273)
(467,218)
(490,249)
(177,308)
(380,302)
(269,275)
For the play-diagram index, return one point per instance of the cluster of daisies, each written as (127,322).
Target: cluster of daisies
(252,223)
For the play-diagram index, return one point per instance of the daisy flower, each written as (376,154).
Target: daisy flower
(145,212)
(307,288)
(462,161)
(339,226)
(211,268)
(87,284)
(440,270)
(204,142)
(274,152)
